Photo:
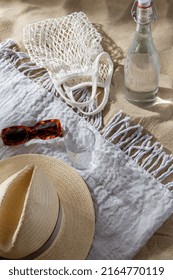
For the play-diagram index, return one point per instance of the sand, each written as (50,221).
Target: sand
(113,20)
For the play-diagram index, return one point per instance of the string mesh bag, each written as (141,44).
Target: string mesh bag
(69,48)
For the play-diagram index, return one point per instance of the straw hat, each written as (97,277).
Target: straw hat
(46,211)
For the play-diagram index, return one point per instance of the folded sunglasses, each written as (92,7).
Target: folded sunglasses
(16,135)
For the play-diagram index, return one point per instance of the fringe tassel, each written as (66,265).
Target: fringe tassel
(132,139)
(141,147)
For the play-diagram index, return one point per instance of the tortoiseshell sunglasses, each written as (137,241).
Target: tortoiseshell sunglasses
(16,135)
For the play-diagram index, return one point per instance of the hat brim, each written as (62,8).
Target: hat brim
(78,220)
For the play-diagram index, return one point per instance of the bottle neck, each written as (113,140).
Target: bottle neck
(143,29)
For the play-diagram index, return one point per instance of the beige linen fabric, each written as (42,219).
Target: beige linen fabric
(114,22)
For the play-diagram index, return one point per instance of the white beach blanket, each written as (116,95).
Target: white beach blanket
(130,204)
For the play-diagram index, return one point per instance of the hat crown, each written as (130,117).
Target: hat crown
(29,208)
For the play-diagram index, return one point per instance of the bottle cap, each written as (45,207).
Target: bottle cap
(144,3)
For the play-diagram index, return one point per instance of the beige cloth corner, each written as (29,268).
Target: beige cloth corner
(113,21)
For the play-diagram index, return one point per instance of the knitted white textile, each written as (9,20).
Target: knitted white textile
(69,48)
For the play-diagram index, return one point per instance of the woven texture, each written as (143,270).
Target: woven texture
(35,205)
(65,46)
(38,214)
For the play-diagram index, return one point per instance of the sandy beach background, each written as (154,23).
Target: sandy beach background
(113,20)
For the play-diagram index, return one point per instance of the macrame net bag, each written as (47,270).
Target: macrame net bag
(69,49)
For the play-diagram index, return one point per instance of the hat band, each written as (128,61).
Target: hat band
(48,243)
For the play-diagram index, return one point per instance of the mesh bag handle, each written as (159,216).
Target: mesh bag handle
(67,93)
(69,49)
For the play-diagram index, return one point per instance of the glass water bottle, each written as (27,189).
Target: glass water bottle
(142,66)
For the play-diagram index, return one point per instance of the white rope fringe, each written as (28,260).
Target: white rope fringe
(141,147)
